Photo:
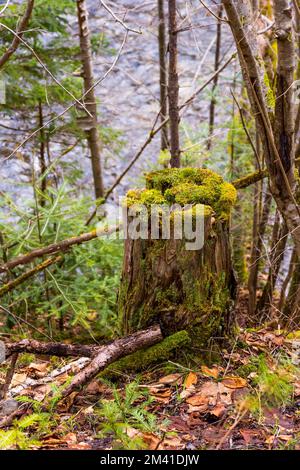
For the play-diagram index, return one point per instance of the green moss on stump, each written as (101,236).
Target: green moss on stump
(142,359)
(186,186)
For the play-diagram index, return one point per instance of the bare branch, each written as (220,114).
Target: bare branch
(19,33)
(118,20)
(20,39)
(50,121)
(59,247)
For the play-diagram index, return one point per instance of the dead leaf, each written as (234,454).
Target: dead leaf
(191,380)
(132,432)
(213,434)
(163,395)
(171,443)
(176,423)
(166,393)
(234,382)
(89,410)
(188,392)
(218,410)
(197,400)
(170,379)
(93,388)
(197,409)
(70,439)
(39,367)
(18,379)
(80,446)
(213,372)
(250,436)
(216,393)
(41,392)
(151,441)
(67,402)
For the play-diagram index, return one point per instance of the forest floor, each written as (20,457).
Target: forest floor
(249,400)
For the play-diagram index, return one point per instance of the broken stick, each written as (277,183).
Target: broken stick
(108,354)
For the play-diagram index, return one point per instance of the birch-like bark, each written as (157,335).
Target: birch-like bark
(90,103)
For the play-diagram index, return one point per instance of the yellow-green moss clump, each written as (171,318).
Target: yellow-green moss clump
(186,186)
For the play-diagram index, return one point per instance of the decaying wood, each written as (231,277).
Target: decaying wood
(32,346)
(101,356)
(162,281)
(108,354)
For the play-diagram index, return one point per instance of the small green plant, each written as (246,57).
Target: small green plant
(124,412)
(18,437)
(272,386)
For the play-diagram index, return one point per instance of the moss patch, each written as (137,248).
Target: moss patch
(186,186)
(142,359)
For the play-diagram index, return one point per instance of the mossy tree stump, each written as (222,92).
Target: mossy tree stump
(162,281)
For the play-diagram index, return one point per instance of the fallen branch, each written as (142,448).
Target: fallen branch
(29,383)
(59,247)
(109,354)
(101,356)
(19,280)
(52,349)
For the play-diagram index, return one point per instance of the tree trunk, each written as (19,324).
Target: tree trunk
(173,89)
(287,281)
(163,281)
(277,140)
(163,74)
(43,166)
(91,104)
(215,81)
(279,240)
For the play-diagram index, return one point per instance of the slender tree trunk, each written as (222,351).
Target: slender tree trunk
(257,203)
(277,142)
(257,253)
(173,88)
(287,280)
(42,154)
(215,81)
(279,240)
(163,74)
(291,310)
(91,104)
(252,279)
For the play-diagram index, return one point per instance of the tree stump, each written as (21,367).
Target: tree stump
(163,281)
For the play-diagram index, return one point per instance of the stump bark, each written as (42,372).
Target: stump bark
(162,281)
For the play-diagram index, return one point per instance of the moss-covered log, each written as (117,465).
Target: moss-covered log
(162,281)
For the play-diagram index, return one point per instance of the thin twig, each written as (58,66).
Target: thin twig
(118,20)
(9,375)
(100,80)
(45,67)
